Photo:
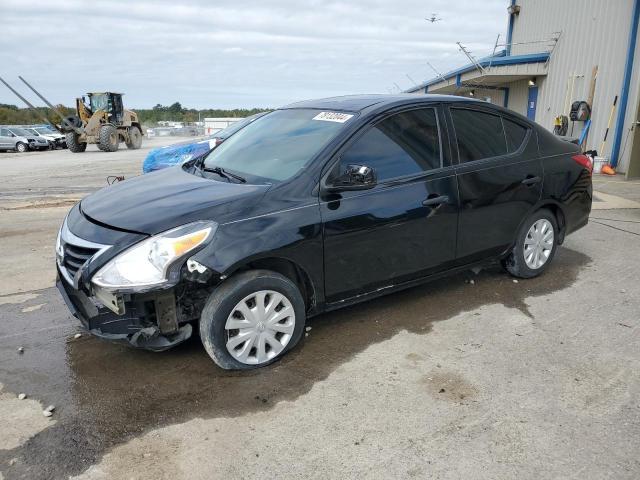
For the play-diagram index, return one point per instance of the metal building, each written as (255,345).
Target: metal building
(213,125)
(557,53)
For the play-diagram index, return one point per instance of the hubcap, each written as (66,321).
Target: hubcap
(259,327)
(538,244)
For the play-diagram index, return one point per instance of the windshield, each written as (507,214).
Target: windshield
(21,132)
(235,126)
(44,131)
(99,102)
(277,145)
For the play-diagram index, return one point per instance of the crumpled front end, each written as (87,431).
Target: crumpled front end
(149,320)
(155,318)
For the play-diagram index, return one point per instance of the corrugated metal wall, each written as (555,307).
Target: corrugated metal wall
(594,32)
(518,95)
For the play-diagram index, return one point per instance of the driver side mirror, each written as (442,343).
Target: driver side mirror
(355,177)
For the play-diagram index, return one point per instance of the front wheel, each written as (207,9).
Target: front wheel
(108,138)
(135,138)
(21,147)
(535,246)
(252,320)
(74,144)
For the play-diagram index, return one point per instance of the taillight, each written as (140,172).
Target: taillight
(584,161)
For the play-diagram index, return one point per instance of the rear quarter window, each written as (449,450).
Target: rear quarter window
(515,134)
(479,135)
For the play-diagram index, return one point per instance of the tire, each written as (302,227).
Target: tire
(246,287)
(532,254)
(135,138)
(73,144)
(21,147)
(73,121)
(108,138)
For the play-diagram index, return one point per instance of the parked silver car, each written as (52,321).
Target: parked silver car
(20,140)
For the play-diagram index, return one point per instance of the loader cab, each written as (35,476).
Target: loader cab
(108,102)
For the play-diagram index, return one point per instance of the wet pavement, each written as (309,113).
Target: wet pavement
(106,394)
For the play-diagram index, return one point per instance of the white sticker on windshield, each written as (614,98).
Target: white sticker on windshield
(333,117)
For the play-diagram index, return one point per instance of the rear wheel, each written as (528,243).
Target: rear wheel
(74,144)
(252,320)
(135,138)
(21,147)
(108,138)
(535,246)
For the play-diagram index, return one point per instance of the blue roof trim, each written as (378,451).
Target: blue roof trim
(499,59)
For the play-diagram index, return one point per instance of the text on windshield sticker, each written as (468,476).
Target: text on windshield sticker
(333,117)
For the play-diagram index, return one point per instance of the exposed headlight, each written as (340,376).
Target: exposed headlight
(147,263)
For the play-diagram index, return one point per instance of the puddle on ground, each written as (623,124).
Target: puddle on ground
(107,393)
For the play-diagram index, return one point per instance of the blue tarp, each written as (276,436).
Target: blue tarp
(177,154)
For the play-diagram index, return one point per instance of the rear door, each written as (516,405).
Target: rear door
(404,227)
(499,178)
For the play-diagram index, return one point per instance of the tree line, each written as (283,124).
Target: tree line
(12,115)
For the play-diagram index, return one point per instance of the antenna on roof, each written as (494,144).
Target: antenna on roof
(470,57)
(438,74)
(415,84)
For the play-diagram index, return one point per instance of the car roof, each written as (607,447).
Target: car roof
(358,103)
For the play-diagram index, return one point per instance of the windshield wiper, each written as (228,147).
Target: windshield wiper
(223,173)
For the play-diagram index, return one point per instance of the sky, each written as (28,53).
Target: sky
(240,54)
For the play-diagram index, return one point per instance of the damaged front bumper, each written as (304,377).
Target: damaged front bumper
(149,320)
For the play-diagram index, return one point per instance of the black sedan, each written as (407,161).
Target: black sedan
(312,207)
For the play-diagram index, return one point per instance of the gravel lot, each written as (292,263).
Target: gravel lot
(456,379)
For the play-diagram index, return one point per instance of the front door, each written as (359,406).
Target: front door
(531,103)
(6,141)
(499,177)
(404,227)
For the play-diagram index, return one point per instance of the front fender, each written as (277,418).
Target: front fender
(292,234)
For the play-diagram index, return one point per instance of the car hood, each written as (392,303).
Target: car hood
(168,198)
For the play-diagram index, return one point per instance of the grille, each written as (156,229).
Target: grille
(75,257)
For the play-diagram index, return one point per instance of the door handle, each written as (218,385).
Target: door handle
(435,200)
(531,181)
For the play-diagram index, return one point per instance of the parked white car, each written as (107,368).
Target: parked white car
(55,139)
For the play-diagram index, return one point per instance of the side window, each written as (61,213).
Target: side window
(515,134)
(479,134)
(403,144)
(4,132)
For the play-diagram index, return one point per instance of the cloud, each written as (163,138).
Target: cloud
(236,54)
